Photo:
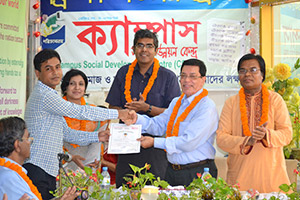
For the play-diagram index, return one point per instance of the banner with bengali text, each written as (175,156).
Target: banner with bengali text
(97,36)
(13,40)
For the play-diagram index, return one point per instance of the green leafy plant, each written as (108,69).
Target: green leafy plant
(83,180)
(140,178)
(212,188)
(279,79)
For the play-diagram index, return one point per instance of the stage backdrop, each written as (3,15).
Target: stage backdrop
(13,40)
(97,36)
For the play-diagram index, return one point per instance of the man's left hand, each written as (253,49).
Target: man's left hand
(139,105)
(146,141)
(260,132)
(103,135)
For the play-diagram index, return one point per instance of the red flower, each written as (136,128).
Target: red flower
(237,185)
(199,175)
(147,166)
(296,171)
(57,178)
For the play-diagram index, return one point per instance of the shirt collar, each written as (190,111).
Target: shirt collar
(12,161)
(149,71)
(40,83)
(256,94)
(191,98)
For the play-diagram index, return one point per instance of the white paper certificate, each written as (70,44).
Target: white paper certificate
(123,139)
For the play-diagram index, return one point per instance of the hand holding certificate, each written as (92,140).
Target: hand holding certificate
(123,139)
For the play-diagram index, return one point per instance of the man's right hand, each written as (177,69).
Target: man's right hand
(77,159)
(128,116)
(70,194)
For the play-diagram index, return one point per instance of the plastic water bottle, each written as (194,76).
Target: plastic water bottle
(105,184)
(206,175)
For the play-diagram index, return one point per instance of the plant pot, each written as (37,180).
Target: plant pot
(296,153)
(135,194)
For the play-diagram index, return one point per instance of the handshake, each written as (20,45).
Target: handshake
(127,116)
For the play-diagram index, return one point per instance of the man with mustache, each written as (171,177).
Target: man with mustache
(44,116)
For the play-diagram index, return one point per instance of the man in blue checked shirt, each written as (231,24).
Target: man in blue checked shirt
(44,118)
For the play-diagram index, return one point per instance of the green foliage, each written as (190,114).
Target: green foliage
(297,64)
(83,180)
(141,177)
(213,188)
(287,87)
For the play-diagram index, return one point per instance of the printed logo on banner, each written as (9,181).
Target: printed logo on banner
(55,40)
(52,30)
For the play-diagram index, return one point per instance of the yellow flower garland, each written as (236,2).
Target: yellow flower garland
(243,109)
(183,115)
(19,170)
(128,79)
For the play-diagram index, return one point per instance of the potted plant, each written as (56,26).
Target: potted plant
(211,188)
(85,180)
(139,178)
(279,79)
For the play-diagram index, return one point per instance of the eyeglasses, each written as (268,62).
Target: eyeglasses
(252,70)
(30,139)
(192,77)
(141,46)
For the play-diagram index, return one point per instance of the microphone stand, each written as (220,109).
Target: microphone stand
(60,172)
(84,195)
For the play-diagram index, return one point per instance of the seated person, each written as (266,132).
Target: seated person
(14,149)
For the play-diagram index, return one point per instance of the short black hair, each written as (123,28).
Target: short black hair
(260,60)
(195,62)
(11,129)
(145,33)
(67,77)
(43,56)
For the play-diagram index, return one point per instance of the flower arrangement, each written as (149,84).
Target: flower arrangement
(279,80)
(211,188)
(140,178)
(84,180)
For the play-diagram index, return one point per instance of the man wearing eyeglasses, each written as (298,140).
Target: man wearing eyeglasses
(189,123)
(254,127)
(148,89)
(15,144)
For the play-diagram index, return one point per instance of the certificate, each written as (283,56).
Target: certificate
(122,139)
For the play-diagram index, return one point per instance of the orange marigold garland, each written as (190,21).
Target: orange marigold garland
(174,131)
(19,170)
(128,79)
(243,109)
(83,123)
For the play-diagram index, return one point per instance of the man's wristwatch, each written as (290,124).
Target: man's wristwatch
(149,110)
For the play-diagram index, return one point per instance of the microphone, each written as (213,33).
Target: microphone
(64,156)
